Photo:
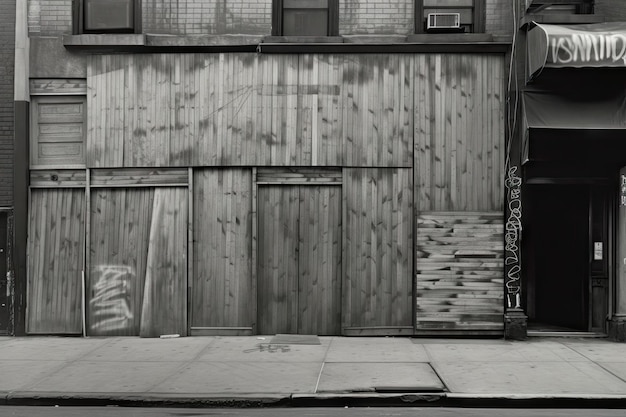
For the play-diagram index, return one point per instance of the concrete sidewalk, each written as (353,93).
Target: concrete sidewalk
(250,371)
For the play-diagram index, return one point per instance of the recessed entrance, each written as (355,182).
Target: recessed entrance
(565,251)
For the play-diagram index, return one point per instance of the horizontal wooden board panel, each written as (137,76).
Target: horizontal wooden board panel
(58,131)
(62,178)
(139,177)
(51,86)
(299,175)
(459,271)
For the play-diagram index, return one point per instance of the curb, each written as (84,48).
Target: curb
(317,400)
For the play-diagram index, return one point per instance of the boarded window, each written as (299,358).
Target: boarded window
(58,131)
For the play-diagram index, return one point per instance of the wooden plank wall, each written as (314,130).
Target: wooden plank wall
(120,231)
(55,261)
(378,250)
(277,286)
(138,250)
(164,308)
(221,287)
(460,270)
(459,132)
(319,260)
(249,109)
(58,131)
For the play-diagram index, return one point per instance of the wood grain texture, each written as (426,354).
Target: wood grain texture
(58,178)
(319,261)
(55,86)
(222,282)
(277,285)
(120,229)
(245,109)
(459,132)
(141,177)
(58,131)
(299,268)
(378,248)
(459,272)
(55,261)
(164,309)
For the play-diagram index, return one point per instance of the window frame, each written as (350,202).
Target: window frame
(78,20)
(478,17)
(277,18)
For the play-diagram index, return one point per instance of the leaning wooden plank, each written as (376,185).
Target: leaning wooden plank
(164,306)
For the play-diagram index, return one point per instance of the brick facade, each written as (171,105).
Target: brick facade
(7,59)
(376,17)
(612,10)
(202,17)
(499,17)
(49,17)
(254,17)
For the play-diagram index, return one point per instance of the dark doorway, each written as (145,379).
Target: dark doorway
(557,246)
(4,300)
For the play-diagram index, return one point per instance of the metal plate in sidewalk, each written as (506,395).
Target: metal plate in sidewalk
(295,339)
(379,377)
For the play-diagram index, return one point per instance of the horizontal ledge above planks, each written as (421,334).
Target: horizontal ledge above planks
(135,177)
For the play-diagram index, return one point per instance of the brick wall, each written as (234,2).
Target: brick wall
(201,17)
(49,17)
(612,10)
(7,60)
(254,17)
(499,17)
(376,17)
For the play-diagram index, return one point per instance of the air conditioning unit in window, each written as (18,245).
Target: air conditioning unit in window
(443,22)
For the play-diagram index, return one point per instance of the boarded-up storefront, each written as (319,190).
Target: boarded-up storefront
(242,193)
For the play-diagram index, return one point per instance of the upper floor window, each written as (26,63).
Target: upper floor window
(561,6)
(305,18)
(107,16)
(449,15)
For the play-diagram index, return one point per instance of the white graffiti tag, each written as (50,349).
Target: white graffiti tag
(513,231)
(109,306)
(588,48)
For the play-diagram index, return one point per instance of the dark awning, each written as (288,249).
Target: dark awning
(590,115)
(597,45)
(550,110)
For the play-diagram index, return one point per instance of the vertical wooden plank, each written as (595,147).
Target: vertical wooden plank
(55,261)
(278,267)
(319,286)
(222,284)
(164,303)
(373,222)
(120,223)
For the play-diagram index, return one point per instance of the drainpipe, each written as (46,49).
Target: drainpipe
(20,169)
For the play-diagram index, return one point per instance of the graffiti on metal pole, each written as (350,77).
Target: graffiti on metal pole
(513,232)
(110,305)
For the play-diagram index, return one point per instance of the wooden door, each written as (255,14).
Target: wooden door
(299,232)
